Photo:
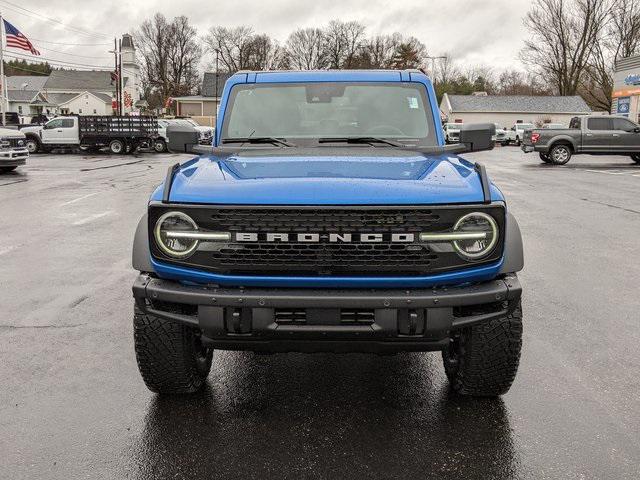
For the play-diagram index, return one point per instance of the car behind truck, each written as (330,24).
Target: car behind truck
(121,134)
(329,216)
(587,134)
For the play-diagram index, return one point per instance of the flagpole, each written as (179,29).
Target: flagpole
(4,80)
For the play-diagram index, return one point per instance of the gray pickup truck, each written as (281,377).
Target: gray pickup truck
(587,134)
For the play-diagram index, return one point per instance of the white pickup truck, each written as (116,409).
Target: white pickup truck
(121,134)
(516,133)
(13,150)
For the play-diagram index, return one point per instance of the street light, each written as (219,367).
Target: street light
(216,92)
(433,66)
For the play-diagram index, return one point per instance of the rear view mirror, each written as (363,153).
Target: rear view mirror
(477,137)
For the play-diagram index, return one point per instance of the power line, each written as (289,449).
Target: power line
(73,44)
(18,56)
(13,7)
(74,54)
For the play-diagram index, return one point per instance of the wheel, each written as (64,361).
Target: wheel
(504,144)
(32,145)
(560,154)
(636,157)
(7,169)
(545,157)
(171,358)
(159,145)
(116,146)
(483,360)
(518,142)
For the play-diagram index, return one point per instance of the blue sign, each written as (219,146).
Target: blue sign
(624,104)
(633,79)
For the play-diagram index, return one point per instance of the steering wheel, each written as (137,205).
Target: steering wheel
(384,130)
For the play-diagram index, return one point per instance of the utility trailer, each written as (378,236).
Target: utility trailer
(92,132)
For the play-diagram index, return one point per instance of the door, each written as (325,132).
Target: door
(598,135)
(626,135)
(69,133)
(52,131)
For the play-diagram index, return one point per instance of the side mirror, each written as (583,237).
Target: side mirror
(477,137)
(182,138)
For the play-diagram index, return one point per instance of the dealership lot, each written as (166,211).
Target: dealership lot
(72,404)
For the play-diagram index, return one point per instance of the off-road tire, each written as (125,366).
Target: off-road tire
(545,157)
(7,169)
(636,158)
(170,356)
(483,360)
(33,145)
(117,147)
(560,154)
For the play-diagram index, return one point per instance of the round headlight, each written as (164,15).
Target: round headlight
(169,234)
(21,143)
(482,224)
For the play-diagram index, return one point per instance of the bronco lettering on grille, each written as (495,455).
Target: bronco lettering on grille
(325,237)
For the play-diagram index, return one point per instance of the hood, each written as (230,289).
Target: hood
(11,133)
(349,176)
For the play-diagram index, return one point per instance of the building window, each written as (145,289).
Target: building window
(20,109)
(95,111)
(80,111)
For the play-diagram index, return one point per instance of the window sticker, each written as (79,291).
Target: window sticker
(413,102)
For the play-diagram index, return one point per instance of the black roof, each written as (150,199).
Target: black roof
(209,83)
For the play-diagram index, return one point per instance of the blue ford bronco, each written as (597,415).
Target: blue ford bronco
(329,215)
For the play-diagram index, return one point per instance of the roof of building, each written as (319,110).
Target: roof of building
(209,83)
(79,80)
(127,41)
(103,96)
(518,103)
(33,82)
(627,63)
(22,96)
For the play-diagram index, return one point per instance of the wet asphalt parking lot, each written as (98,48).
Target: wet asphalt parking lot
(72,404)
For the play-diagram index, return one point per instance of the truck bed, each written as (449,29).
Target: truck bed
(111,126)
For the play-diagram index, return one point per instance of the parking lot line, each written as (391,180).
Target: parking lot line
(78,199)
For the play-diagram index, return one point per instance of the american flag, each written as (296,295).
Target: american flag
(16,39)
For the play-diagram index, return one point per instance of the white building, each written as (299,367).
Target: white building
(626,88)
(507,110)
(77,92)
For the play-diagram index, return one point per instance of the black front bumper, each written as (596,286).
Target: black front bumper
(346,320)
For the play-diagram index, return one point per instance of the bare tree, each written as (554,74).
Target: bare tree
(623,37)
(342,42)
(239,48)
(305,49)
(378,51)
(563,35)
(170,55)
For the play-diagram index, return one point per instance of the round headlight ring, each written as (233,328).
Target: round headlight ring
(494,236)
(157,233)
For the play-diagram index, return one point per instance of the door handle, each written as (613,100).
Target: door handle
(589,134)
(59,131)
(616,135)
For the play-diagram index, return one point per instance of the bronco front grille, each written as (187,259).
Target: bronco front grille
(324,257)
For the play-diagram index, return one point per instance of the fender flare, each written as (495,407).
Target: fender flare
(513,248)
(141,256)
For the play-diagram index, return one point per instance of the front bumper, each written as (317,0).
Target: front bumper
(346,320)
(13,158)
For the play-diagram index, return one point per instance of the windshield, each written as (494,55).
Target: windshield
(524,126)
(313,111)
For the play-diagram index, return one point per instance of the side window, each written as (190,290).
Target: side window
(575,123)
(57,123)
(600,124)
(67,123)
(623,124)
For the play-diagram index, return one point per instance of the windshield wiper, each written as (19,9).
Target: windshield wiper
(273,140)
(369,140)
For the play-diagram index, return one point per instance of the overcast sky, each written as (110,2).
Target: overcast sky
(472,31)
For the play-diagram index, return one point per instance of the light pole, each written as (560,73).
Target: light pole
(216,93)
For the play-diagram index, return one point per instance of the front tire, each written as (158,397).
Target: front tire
(560,154)
(483,360)
(636,158)
(116,146)
(159,146)
(171,357)
(33,145)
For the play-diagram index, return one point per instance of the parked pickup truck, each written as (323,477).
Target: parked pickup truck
(120,134)
(13,151)
(516,133)
(329,215)
(587,134)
